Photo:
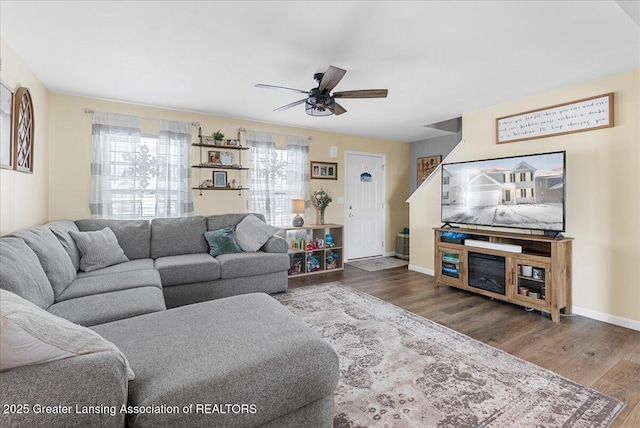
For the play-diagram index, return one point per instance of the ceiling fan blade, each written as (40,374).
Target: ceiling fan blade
(331,78)
(300,91)
(338,109)
(293,104)
(362,93)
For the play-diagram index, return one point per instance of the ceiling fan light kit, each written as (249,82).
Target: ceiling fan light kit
(320,101)
(319,105)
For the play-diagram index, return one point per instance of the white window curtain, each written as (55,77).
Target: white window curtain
(173,181)
(277,175)
(139,176)
(261,158)
(297,182)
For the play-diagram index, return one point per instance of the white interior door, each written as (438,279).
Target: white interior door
(364,205)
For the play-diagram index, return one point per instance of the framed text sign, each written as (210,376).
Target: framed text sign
(575,116)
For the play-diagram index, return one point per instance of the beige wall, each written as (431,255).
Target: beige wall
(602,193)
(24,197)
(70,159)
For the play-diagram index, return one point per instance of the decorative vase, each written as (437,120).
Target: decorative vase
(321,216)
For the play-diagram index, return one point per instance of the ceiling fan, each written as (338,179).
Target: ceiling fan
(319,100)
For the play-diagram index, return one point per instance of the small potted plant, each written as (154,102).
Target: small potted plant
(218,137)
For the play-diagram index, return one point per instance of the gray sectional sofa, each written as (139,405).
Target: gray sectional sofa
(224,353)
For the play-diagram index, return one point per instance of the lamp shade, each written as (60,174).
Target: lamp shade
(319,105)
(297,206)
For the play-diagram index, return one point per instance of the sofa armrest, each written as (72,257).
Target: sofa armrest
(95,382)
(275,244)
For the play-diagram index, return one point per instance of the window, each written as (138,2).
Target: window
(445,180)
(139,176)
(528,192)
(276,176)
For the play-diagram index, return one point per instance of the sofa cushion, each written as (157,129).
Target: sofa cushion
(30,335)
(98,249)
(131,265)
(134,236)
(61,229)
(22,274)
(222,241)
(275,244)
(187,269)
(241,349)
(176,236)
(252,233)
(249,264)
(54,259)
(220,221)
(107,307)
(97,284)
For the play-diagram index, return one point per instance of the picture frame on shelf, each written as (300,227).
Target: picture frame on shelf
(207,140)
(226,158)
(214,157)
(6,137)
(232,143)
(219,179)
(323,170)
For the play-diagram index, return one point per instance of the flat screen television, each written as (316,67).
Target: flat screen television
(524,192)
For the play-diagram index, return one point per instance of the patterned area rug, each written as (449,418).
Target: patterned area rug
(372,265)
(401,370)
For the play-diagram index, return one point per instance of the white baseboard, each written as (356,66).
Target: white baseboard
(608,318)
(421,270)
(389,254)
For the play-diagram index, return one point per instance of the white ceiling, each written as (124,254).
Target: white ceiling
(437,59)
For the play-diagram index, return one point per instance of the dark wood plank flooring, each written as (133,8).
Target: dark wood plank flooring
(602,356)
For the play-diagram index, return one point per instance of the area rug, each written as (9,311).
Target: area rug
(380,263)
(398,369)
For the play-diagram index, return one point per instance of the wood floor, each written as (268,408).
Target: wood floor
(602,356)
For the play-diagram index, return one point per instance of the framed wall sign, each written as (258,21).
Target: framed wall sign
(426,166)
(576,116)
(6,125)
(324,170)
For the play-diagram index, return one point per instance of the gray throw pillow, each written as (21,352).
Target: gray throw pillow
(275,244)
(252,233)
(221,241)
(98,249)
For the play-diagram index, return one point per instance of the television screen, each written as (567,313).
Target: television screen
(525,192)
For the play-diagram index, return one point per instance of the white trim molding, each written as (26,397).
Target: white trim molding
(608,318)
(420,269)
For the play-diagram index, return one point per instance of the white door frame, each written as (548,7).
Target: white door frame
(384,195)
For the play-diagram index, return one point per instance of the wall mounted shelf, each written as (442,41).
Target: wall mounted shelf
(230,166)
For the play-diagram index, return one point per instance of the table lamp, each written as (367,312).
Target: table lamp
(297,207)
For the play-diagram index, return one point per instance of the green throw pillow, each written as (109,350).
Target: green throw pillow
(222,241)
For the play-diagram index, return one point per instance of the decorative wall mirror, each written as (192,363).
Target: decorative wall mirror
(23,126)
